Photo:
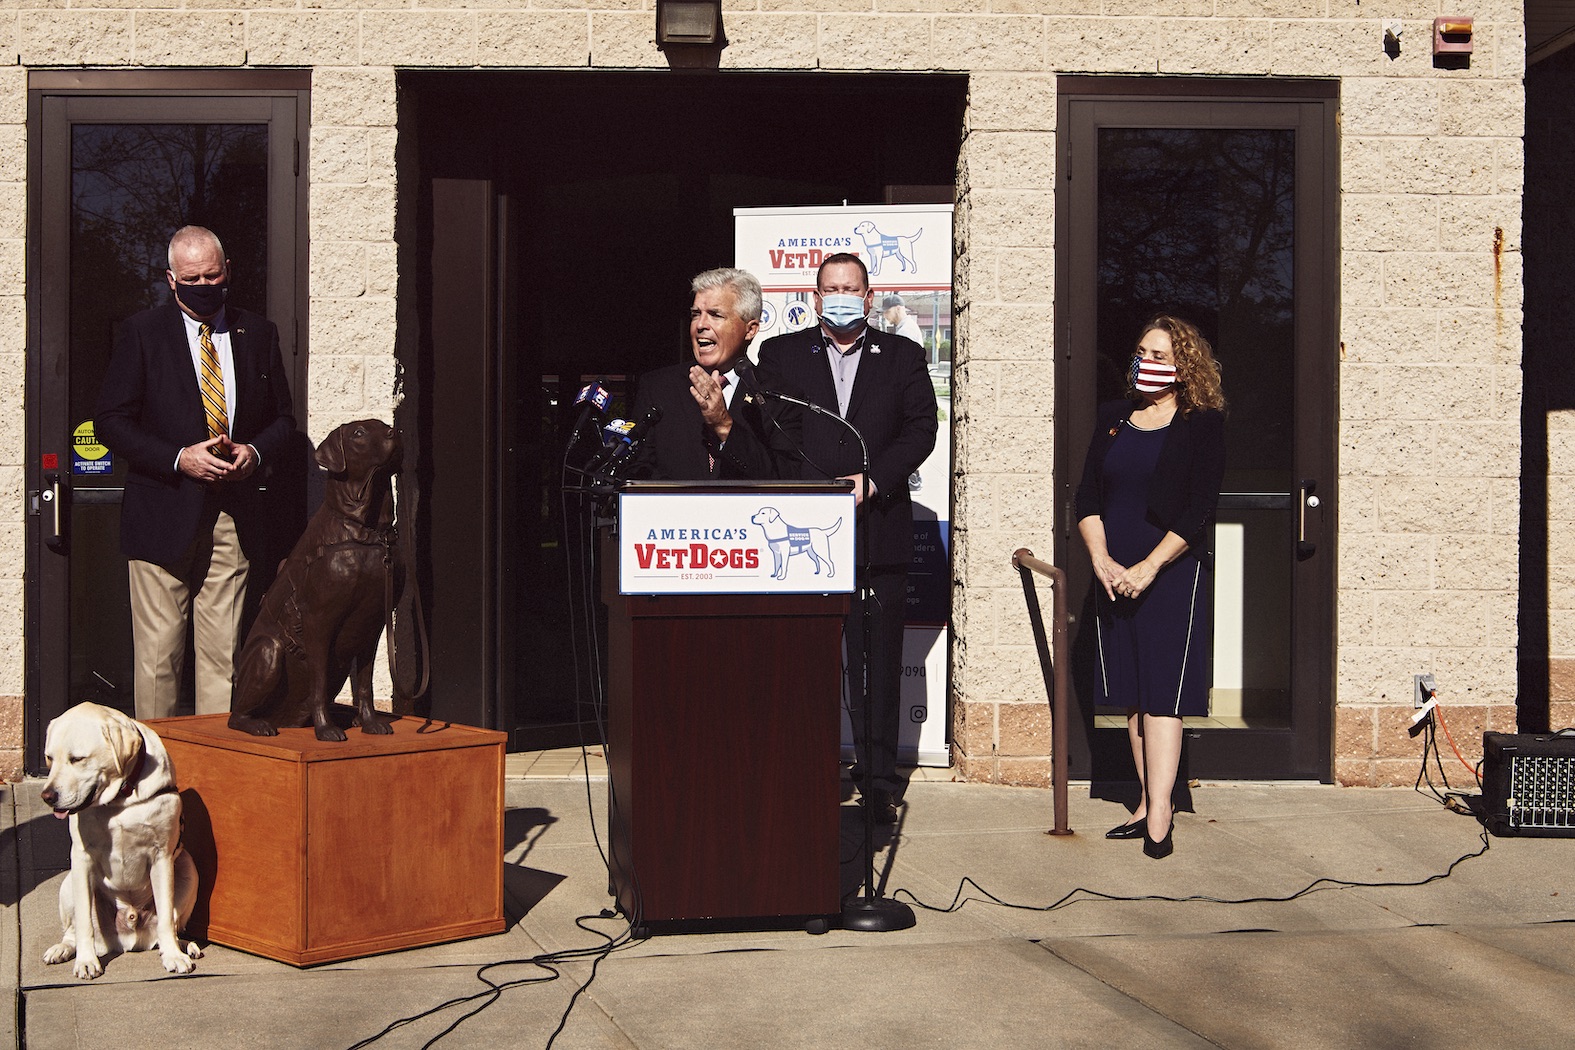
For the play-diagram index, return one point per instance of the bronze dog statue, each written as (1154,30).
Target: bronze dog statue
(321,617)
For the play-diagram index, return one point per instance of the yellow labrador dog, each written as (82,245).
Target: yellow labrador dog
(131,885)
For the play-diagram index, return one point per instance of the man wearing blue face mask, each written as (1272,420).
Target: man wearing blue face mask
(196,401)
(878,382)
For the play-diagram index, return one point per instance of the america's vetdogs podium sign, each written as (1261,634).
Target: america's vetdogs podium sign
(724,685)
(762,542)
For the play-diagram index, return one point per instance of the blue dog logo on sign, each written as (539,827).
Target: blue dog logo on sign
(879,246)
(787,540)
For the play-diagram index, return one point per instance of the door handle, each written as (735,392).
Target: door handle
(51,499)
(1306,498)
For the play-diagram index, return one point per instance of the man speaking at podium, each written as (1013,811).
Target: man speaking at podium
(711,419)
(876,381)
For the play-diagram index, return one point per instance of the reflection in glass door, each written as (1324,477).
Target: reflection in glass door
(131,185)
(1200,221)
(1216,212)
(118,176)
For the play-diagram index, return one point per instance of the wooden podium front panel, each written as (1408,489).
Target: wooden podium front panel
(724,741)
(310,851)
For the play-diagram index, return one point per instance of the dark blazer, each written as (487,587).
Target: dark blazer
(150,408)
(892,406)
(680,447)
(1185,488)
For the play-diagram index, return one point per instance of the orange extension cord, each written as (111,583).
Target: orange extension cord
(1438,709)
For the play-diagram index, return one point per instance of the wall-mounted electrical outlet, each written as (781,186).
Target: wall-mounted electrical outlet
(1422,689)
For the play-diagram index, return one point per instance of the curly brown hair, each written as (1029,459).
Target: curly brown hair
(1197,371)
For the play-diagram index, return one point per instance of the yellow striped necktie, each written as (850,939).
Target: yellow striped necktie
(212,384)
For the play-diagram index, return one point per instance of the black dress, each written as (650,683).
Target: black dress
(1154,650)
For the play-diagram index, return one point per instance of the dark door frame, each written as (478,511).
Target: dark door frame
(1306,750)
(56,99)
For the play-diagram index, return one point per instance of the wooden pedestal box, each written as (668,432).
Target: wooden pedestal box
(310,852)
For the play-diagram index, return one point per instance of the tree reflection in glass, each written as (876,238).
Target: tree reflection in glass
(1201,222)
(132,185)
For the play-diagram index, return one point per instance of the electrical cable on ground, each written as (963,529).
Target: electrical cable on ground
(1454,801)
(1082,893)
(549,961)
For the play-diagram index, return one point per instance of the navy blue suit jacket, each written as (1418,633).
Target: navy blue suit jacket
(150,408)
(892,405)
(1185,489)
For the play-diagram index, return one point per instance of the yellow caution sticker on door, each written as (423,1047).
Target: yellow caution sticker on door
(87,455)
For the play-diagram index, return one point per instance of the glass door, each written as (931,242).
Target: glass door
(1218,211)
(116,176)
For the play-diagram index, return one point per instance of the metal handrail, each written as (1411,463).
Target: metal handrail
(1054,670)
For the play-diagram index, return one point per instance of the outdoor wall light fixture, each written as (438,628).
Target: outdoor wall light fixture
(1451,35)
(1393,27)
(689,22)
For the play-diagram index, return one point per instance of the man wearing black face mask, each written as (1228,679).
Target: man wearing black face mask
(196,401)
(878,382)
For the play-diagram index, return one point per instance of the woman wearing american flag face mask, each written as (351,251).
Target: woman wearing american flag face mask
(1145,510)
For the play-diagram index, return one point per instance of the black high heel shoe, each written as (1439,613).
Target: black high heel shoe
(1133,830)
(1161,849)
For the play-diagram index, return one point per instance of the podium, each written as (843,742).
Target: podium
(723,730)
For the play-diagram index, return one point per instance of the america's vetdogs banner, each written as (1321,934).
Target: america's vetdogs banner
(907,248)
(727,543)
(908,251)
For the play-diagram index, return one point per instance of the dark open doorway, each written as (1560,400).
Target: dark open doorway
(549,225)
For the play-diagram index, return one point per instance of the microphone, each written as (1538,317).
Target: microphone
(593,397)
(629,441)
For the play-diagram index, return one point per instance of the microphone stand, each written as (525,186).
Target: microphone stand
(870,912)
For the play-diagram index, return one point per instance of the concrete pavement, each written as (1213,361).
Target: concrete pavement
(1214,946)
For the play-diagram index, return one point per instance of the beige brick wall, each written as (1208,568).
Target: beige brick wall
(1429,401)
(13,371)
(353,271)
(1430,184)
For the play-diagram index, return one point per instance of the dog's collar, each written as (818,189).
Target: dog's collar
(129,781)
(369,535)
(129,784)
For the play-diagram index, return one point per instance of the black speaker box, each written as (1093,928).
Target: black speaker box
(1528,784)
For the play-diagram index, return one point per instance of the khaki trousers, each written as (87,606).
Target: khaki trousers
(208,585)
